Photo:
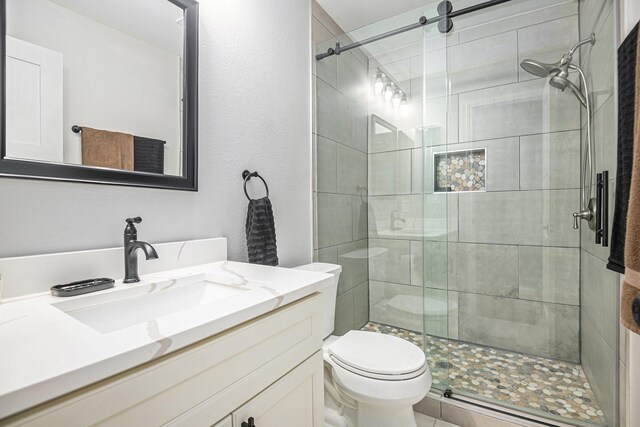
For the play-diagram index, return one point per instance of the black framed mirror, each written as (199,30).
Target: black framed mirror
(100,92)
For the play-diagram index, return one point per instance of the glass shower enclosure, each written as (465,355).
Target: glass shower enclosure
(446,177)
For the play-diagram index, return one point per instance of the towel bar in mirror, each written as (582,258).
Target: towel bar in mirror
(100,92)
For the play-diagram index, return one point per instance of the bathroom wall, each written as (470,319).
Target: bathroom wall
(599,292)
(340,169)
(499,267)
(255,113)
(629,13)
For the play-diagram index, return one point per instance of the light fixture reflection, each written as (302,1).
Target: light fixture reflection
(397,99)
(379,84)
(388,92)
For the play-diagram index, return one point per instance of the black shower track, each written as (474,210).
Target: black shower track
(444,21)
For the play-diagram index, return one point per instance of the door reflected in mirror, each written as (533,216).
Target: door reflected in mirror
(95,84)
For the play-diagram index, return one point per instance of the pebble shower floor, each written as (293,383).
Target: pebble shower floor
(520,380)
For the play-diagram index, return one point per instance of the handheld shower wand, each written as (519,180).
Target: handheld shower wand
(559,78)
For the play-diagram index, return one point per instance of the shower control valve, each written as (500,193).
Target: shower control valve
(587,214)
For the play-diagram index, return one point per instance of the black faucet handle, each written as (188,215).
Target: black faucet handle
(130,229)
(134,220)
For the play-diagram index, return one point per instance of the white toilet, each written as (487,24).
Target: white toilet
(371,379)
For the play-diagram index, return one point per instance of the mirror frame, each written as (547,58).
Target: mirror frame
(78,173)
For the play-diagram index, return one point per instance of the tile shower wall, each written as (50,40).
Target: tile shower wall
(340,176)
(599,298)
(499,267)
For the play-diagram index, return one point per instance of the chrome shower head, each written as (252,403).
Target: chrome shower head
(542,69)
(538,68)
(559,71)
(561,81)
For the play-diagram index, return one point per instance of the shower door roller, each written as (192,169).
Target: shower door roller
(445,24)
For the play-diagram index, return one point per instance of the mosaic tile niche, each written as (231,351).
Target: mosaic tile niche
(458,171)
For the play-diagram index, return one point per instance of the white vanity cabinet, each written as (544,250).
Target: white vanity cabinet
(269,369)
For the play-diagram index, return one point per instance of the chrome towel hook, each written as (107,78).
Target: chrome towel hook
(246,175)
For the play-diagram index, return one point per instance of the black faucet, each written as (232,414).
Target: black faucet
(131,246)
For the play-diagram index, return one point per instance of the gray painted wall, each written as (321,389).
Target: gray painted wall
(255,113)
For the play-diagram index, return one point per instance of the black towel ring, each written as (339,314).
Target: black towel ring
(246,175)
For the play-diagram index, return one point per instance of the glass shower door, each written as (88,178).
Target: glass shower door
(408,296)
(507,320)
(436,201)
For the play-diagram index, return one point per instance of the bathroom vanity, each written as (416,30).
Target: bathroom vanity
(221,343)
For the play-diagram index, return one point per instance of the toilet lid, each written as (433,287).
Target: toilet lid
(377,354)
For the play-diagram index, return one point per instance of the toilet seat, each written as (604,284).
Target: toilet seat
(377,356)
(362,386)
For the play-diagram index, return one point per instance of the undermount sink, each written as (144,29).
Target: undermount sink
(110,311)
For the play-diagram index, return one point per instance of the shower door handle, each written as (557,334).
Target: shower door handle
(604,211)
(598,209)
(602,208)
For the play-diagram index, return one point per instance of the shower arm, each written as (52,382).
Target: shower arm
(591,40)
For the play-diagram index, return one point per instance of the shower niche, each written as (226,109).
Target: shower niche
(458,171)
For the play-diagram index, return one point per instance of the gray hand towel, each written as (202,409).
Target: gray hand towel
(261,233)
(148,155)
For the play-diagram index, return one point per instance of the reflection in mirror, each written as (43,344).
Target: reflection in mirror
(95,83)
(384,135)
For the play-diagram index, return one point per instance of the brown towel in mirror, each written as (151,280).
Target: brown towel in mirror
(106,149)
(631,285)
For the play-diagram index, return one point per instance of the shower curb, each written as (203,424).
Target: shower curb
(464,411)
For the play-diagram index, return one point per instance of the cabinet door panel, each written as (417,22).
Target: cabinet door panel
(295,400)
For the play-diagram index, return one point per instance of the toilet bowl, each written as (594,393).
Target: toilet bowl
(371,379)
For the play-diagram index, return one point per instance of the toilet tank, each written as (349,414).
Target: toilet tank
(329,292)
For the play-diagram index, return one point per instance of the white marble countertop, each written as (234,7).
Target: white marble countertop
(46,352)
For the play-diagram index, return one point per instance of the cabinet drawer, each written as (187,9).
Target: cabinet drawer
(230,365)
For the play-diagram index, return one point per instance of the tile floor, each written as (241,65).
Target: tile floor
(426,421)
(530,382)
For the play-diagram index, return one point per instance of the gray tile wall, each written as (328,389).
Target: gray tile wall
(502,267)
(599,297)
(340,175)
